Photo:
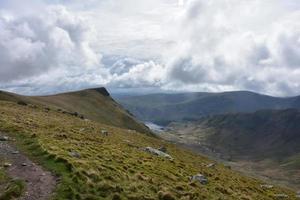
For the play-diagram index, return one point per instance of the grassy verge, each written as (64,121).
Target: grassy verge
(59,167)
(9,189)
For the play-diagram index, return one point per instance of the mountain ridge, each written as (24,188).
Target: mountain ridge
(165,108)
(94,104)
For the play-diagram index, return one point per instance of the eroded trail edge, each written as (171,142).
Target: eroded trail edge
(40,184)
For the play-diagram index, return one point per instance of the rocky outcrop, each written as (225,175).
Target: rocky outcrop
(158,153)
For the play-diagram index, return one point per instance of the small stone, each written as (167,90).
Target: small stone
(104,132)
(15,152)
(211,165)
(4,138)
(7,164)
(199,177)
(74,154)
(281,196)
(267,186)
(24,164)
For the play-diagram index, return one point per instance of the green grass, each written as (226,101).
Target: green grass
(90,103)
(114,166)
(9,188)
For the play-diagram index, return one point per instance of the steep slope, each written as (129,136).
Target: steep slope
(165,108)
(93,165)
(267,136)
(95,104)
(267,133)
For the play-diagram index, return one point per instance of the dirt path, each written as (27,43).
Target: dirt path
(39,183)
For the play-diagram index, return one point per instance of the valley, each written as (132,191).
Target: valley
(255,134)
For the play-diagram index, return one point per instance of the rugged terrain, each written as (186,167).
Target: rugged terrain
(94,160)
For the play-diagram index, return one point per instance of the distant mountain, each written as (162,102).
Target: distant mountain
(165,108)
(95,104)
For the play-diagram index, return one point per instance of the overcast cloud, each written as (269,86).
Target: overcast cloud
(193,45)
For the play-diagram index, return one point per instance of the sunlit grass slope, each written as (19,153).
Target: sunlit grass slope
(95,104)
(94,166)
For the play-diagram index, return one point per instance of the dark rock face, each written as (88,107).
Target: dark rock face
(102,91)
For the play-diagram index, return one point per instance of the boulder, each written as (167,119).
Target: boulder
(158,153)
(200,178)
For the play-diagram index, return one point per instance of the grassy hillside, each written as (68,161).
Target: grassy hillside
(165,108)
(269,138)
(267,133)
(95,104)
(95,166)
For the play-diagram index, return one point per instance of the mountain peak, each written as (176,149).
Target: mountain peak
(102,90)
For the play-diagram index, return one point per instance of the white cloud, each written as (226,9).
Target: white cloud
(148,74)
(238,45)
(196,45)
(32,45)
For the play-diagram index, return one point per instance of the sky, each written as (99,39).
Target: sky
(50,46)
